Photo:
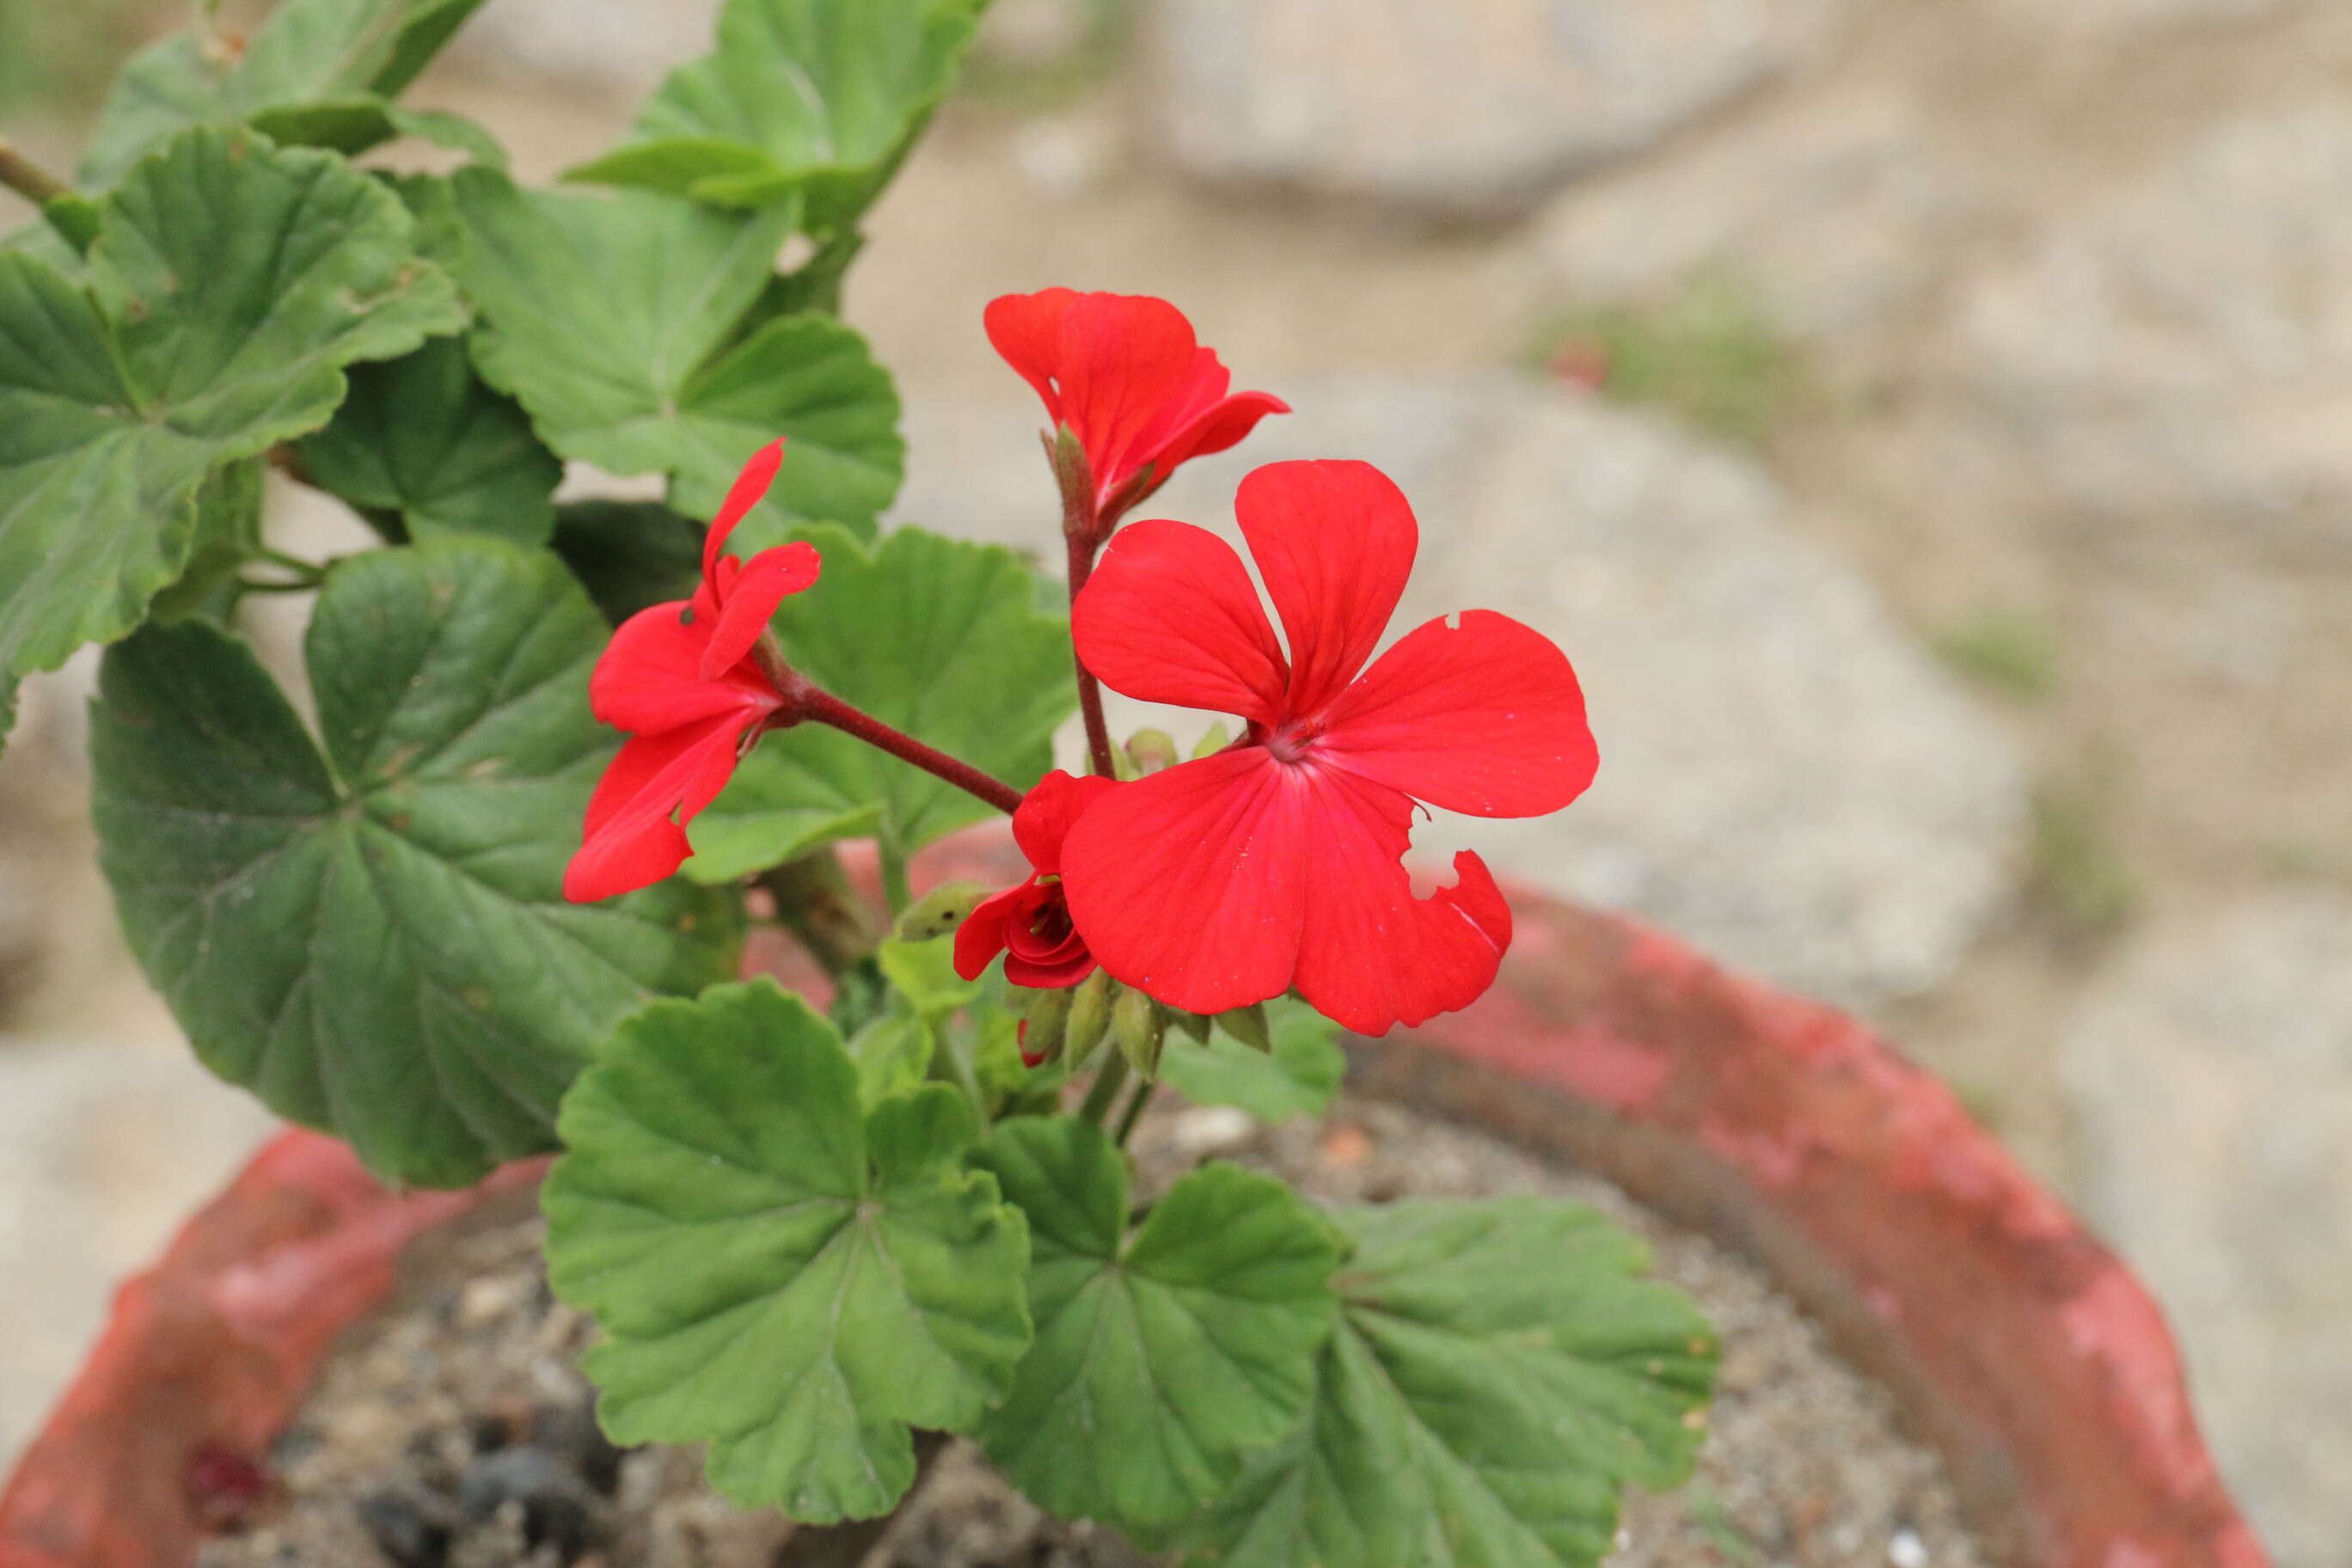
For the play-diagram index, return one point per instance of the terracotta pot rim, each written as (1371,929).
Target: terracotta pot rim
(2010,1338)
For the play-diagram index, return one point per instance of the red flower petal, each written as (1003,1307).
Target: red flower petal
(1371,954)
(649,677)
(636,834)
(1046,812)
(1484,716)
(1025,329)
(1222,425)
(981,936)
(1191,884)
(1107,366)
(1334,543)
(752,598)
(1171,617)
(749,486)
(1075,965)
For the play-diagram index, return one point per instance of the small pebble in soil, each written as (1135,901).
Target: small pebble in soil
(409,1527)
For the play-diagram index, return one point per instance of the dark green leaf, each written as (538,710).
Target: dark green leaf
(934,635)
(343,56)
(1158,1362)
(1297,1077)
(426,439)
(776,1275)
(612,317)
(806,97)
(1501,1372)
(229,286)
(374,939)
(629,556)
(228,530)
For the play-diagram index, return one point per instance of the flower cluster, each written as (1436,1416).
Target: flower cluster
(1274,865)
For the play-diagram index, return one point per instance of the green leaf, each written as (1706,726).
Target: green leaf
(227,534)
(611,318)
(309,51)
(776,1275)
(934,635)
(801,96)
(374,940)
(774,812)
(1158,1362)
(229,285)
(1499,1373)
(891,1053)
(924,973)
(1297,1077)
(629,556)
(43,240)
(426,439)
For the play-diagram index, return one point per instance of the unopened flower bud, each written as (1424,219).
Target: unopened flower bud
(1046,1028)
(939,911)
(1247,1024)
(1090,1008)
(1219,737)
(1140,1027)
(1150,751)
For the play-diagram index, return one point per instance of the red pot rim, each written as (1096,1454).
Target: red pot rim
(2021,1348)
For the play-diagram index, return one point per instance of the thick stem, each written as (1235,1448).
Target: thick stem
(817,904)
(1107,1082)
(1081,566)
(28,179)
(809,702)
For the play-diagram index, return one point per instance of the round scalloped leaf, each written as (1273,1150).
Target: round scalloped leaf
(1162,1360)
(792,1282)
(372,936)
(1501,1371)
(612,317)
(805,96)
(425,439)
(230,284)
(318,71)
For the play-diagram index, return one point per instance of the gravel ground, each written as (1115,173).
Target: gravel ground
(451,1432)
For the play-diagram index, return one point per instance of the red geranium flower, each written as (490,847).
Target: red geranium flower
(1276,863)
(686,681)
(1030,924)
(1125,374)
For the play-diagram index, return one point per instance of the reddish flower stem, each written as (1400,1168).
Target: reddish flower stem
(809,703)
(1081,566)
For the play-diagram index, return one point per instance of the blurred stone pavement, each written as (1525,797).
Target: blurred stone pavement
(1958,550)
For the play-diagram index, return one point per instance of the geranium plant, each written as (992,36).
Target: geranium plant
(485,898)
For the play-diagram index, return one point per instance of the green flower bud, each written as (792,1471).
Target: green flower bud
(1140,1025)
(1046,1029)
(1247,1024)
(1091,1009)
(1219,737)
(1151,749)
(939,911)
